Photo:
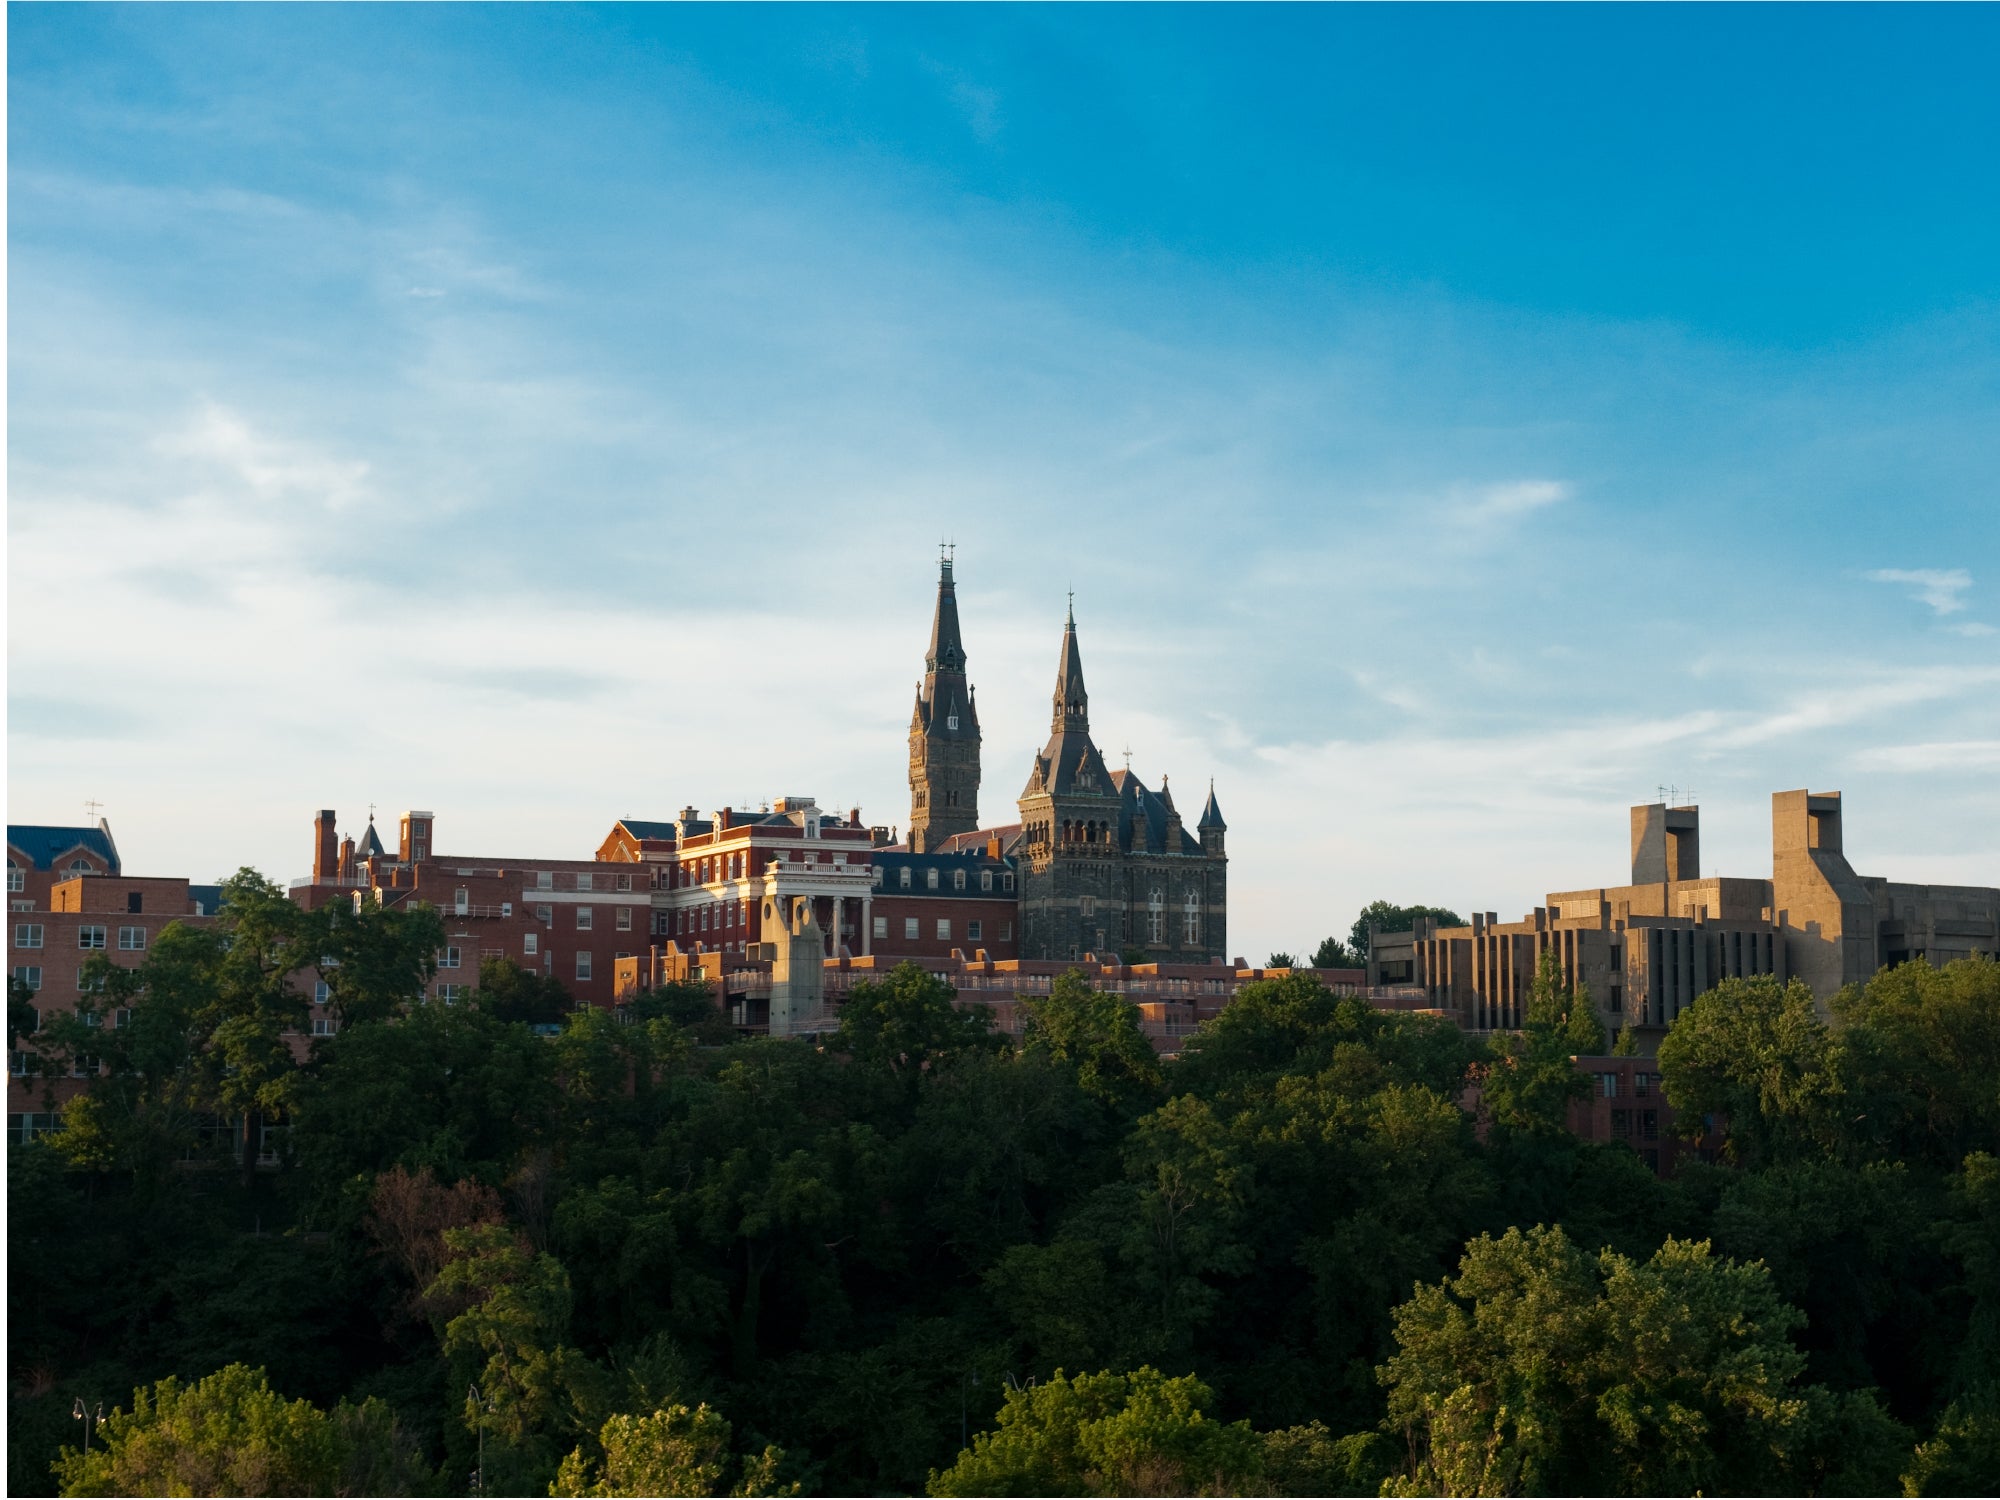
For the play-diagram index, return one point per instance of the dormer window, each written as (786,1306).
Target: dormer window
(951,721)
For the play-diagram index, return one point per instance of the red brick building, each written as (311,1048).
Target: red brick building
(72,902)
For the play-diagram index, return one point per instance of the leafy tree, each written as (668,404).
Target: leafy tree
(907,1022)
(1390,917)
(1334,954)
(689,1003)
(1531,1080)
(381,959)
(1099,1035)
(1143,1433)
(231,1434)
(505,1314)
(1281,960)
(1756,1054)
(1919,1050)
(1962,1456)
(508,992)
(1541,1370)
(673,1451)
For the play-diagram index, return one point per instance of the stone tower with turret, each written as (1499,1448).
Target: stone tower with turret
(944,733)
(1106,864)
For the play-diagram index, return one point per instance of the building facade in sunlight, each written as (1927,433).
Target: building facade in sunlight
(1644,951)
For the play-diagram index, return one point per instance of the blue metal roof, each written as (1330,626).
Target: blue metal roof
(45,845)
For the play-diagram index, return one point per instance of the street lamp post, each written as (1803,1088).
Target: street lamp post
(479,1427)
(89,1419)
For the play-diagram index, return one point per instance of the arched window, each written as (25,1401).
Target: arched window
(1156,918)
(1191,919)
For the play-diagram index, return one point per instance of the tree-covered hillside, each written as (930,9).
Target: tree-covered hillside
(642,1256)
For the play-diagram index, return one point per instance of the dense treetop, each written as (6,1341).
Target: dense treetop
(1325,1250)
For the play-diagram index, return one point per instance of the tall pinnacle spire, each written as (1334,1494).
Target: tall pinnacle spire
(1072,701)
(944,731)
(947,653)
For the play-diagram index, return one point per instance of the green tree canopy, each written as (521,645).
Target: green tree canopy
(1393,918)
(231,1434)
(1540,1369)
(1099,1035)
(1144,1433)
(907,1022)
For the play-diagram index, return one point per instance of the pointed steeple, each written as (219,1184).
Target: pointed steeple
(947,653)
(1072,701)
(944,731)
(1211,815)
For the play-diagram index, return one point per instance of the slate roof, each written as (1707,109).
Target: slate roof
(45,844)
(371,843)
(961,843)
(640,829)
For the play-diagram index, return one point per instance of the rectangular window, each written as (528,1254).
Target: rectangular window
(624,919)
(1607,1085)
(131,939)
(448,959)
(531,943)
(881,927)
(583,966)
(1007,881)
(931,879)
(545,880)
(1649,1124)
(1642,1084)
(944,929)
(17,879)
(986,880)
(1089,905)
(972,931)
(624,882)
(451,994)
(584,881)
(1621,1123)
(905,877)
(546,915)
(83,1067)
(88,985)
(323,1026)
(322,992)
(135,902)
(27,934)
(121,1017)
(90,937)
(1006,932)
(877,876)
(29,975)
(958,880)
(909,932)
(18,1065)
(583,917)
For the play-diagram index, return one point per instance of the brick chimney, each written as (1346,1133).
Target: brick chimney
(326,849)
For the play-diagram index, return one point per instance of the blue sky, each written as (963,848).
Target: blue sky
(1455,423)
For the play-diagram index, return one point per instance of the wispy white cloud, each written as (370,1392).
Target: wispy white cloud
(1973,628)
(1943,589)
(1952,755)
(1498,503)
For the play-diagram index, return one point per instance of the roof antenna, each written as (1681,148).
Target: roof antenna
(92,807)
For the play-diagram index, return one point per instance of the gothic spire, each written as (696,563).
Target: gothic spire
(1072,702)
(947,653)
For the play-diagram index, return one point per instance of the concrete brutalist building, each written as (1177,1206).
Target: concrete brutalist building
(1644,951)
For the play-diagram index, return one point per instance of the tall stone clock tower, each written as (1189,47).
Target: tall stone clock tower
(944,734)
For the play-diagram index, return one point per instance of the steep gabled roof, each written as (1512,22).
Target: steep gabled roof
(46,843)
(370,844)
